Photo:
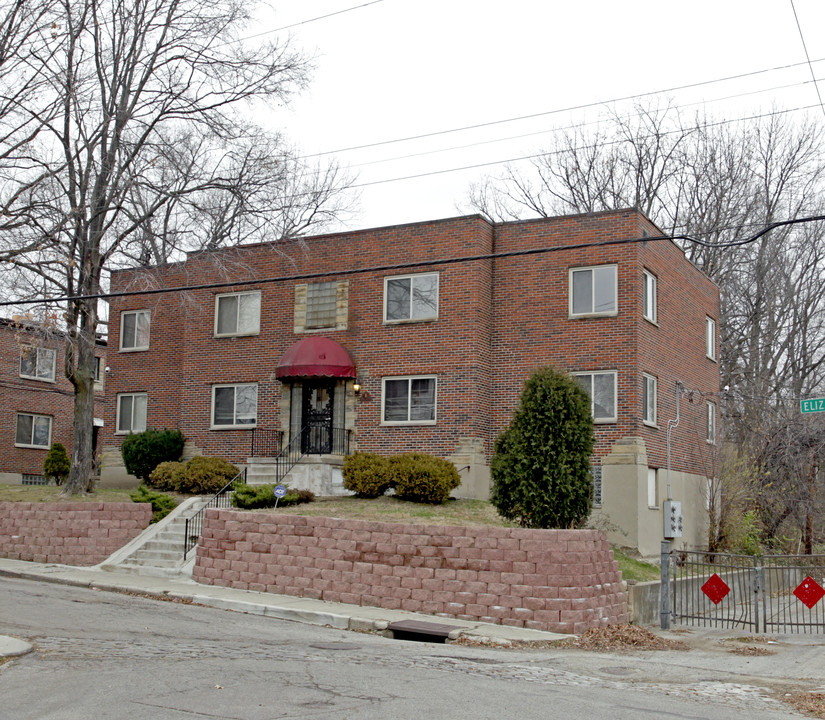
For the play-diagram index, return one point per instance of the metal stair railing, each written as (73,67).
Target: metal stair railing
(194,524)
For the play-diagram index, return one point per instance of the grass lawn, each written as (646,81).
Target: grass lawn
(51,493)
(638,570)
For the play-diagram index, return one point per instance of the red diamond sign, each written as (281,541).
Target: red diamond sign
(810,592)
(715,588)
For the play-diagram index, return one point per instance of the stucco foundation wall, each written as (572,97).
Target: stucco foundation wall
(557,580)
(69,533)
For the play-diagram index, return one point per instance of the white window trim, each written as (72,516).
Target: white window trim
(429,318)
(650,281)
(610,313)
(233,426)
(615,374)
(409,378)
(131,430)
(36,350)
(645,379)
(136,348)
(710,434)
(236,334)
(710,338)
(29,445)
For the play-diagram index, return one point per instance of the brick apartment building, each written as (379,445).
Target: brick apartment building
(36,399)
(429,352)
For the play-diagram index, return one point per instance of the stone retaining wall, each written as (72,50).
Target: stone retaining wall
(80,533)
(557,580)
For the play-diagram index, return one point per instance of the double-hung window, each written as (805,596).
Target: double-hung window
(648,399)
(649,290)
(37,363)
(134,330)
(593,291)
(33,431)
(131,412)
(409,400)
(409,298)
(237,314)
(710,338)
(601,387)
(234,405)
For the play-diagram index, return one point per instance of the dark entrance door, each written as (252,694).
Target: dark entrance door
(316,416)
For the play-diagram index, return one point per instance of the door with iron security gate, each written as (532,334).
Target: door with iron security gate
(317,412)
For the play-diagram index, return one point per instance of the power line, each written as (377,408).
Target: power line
(410,265)
(558,110)
(807,56)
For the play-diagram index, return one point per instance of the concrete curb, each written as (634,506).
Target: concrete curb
(281,607)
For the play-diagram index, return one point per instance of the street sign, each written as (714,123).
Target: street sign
(812,406)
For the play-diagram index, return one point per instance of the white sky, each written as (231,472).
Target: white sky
(400,68)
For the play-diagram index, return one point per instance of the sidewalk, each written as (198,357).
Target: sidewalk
(796,659)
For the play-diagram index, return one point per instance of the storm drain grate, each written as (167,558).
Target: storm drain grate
(422,631)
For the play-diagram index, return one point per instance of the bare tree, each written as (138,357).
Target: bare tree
(140,110)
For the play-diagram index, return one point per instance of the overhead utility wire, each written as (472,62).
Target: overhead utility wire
(557,111)
(409,265)
(807,56)
(533,156)
(575,126)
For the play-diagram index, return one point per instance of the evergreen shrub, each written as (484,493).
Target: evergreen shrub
(205,475)
(251,497)
(423,478)
(366,474)
(142,452)
(166,475)
(540,468)
(162,504)
(57,465)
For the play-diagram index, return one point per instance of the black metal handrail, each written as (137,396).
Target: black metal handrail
(194,524)
(267,443)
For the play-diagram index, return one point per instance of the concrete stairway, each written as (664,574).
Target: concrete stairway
(158,551)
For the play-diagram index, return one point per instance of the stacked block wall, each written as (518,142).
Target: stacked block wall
(554,580)
(69,533)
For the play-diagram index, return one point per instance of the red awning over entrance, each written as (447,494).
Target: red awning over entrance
(315,357)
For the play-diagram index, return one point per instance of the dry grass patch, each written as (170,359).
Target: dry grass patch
(390,509)
(51,493)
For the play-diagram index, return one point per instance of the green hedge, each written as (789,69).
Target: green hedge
(366,474)
(143,452)
(162,504)
(423,478)
(250,497)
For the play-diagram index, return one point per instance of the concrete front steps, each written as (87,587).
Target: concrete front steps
(158,550)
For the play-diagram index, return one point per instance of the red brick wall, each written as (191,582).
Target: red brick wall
(69,533)
(498,321)
(557,580)
(39,397)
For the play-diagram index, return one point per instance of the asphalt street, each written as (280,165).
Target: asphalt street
(113,655)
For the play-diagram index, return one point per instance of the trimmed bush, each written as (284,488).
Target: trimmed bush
(162,504)
(423,478)
(143,452)
(541,463)
(57,465)
(167,475)
(205,475)
(366,474)
(250,497)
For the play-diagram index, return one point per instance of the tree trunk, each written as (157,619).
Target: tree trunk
(80,369)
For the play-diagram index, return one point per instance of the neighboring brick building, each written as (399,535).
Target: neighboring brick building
(36,399)
(438,344)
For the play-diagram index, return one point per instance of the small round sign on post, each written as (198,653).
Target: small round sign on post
(279,491)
